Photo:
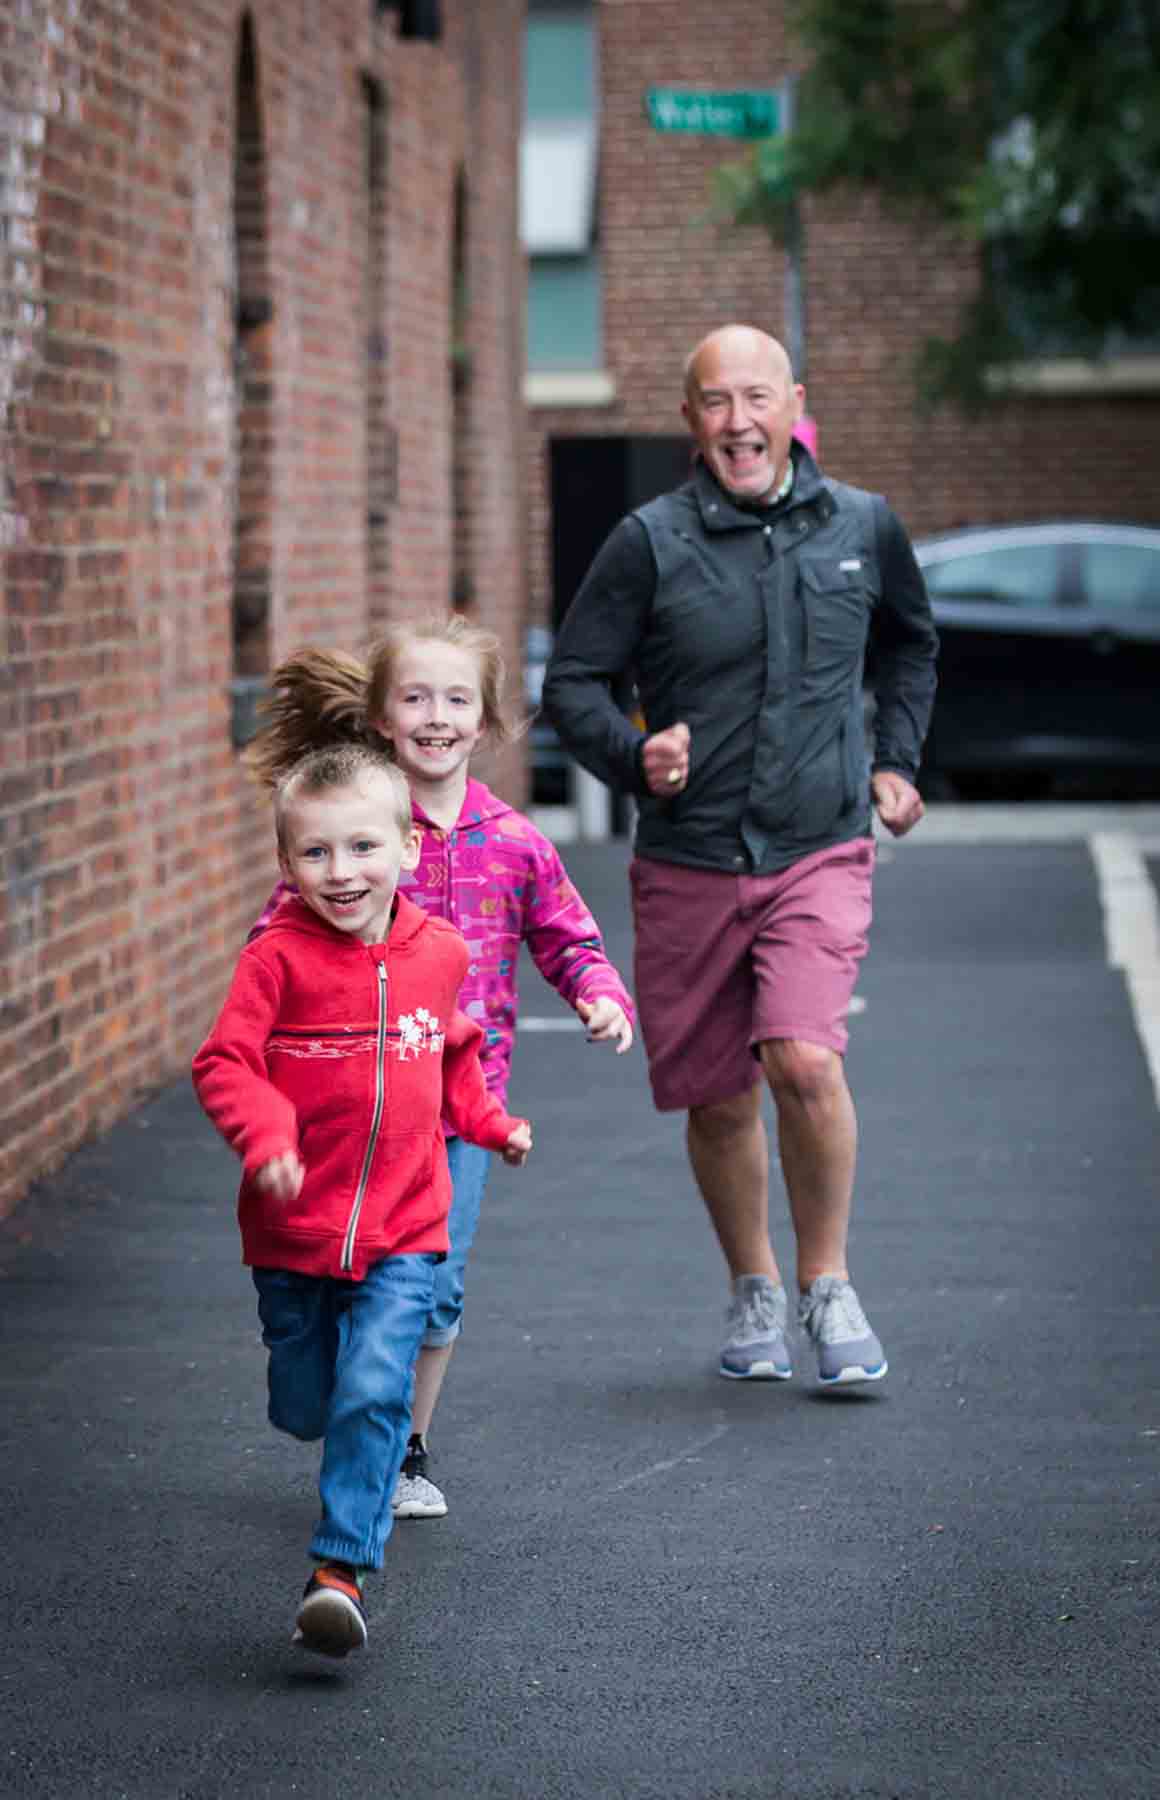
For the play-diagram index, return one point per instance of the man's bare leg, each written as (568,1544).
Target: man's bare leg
(729,1154)
(818,1140)
(818,1136)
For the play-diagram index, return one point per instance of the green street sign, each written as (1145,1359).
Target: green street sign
(735,115)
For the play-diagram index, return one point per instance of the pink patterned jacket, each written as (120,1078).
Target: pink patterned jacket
(503,884)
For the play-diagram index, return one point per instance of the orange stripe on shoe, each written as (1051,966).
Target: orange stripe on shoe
(328,1576)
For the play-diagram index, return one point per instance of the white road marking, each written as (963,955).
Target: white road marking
(662,1468)
(1132,930)
(1119,838)
(1055,822)
(533,1023)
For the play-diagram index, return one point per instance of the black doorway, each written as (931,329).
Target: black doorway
(595,481)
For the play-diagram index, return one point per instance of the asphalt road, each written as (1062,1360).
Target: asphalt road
(653,1584)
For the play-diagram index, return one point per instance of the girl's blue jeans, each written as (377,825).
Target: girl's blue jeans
(342,1368)
(469,1167)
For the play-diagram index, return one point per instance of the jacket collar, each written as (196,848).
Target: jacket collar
(407,921)
(479,803)
(721,513)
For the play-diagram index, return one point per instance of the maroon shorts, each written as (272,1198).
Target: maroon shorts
(723,962)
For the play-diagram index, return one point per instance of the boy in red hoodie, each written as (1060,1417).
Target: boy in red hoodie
(338,1050)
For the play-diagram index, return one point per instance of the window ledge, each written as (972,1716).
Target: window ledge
(576,387)
(1068,375)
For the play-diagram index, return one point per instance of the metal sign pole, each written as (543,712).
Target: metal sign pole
(795,278)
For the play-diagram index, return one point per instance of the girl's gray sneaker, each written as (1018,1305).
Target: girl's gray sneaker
(831,1316)
(415,1495)
(755,1346)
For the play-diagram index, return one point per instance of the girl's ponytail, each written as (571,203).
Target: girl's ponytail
(317,699)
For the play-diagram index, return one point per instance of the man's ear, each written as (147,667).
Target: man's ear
(412,847)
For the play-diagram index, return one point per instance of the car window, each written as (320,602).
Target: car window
(1024,575)
(1122,577)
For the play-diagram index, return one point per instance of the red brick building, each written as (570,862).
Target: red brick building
(659,276)
(260,374)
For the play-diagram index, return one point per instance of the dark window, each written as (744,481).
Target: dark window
(253,396)
(379,439)
(1025,575)
(1122,577)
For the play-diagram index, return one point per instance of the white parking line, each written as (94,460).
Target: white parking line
(1132,930)
(1020,823)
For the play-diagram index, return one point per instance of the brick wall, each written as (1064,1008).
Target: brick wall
(874,289)
(133,854)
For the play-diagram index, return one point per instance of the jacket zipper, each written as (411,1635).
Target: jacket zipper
(449,885)
(347,1261)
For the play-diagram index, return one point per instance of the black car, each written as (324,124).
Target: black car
(1049,661)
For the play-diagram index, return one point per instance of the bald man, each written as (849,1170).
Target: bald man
(743,606)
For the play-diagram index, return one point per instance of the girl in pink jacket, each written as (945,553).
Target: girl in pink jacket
(433,690)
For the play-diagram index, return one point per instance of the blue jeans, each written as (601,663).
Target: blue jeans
(469,1167)
(342,1368)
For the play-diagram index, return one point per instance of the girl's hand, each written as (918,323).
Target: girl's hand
(515,1151)
(606,1022)
(282,1176)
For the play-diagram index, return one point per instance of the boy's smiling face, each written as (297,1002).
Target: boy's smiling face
(343,850)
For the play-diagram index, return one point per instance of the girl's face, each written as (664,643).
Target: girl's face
(433,715)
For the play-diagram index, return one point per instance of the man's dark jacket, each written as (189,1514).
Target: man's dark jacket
(751,625)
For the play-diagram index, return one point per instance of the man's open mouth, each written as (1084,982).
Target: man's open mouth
(341,900)
(742,454)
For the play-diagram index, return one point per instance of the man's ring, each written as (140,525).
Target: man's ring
(673,777)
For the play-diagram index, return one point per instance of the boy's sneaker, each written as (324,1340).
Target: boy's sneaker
(331,1619)
(415,1495)
(755,1346)
(832,1318)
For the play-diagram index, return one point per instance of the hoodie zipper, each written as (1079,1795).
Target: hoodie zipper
(347,1261)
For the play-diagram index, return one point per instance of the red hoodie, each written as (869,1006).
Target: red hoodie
(347,1053)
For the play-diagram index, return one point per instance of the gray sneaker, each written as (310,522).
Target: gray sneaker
(755,1346)
(415,1495)
(832,1318)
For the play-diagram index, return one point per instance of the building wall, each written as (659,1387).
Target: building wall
(133,852)
(874,287)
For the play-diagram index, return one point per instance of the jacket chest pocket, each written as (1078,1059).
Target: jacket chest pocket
(836,613)
(705,614)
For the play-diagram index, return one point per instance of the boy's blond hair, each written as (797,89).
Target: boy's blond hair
(339,766)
